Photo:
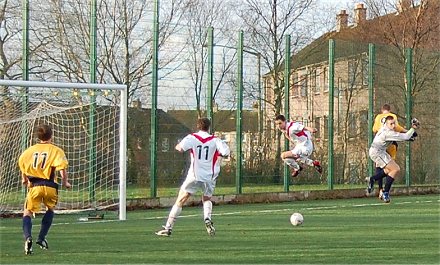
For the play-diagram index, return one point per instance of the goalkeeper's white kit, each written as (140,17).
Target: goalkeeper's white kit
(382,140)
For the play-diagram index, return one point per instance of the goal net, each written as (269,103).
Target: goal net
(88,122)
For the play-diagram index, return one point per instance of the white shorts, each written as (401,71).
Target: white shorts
(302,150)
(381,158)
(191,186)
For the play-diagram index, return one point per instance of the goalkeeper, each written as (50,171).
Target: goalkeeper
(378,154)
(379,121)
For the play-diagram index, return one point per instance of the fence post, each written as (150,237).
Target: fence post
(371,62)
(25,75)
(209,99)
(331,86)
(238,125)
(153,118)
(408,66)
(286,106)
(91,163)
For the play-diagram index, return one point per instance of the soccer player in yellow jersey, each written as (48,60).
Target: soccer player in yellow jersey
(38,165)
(379,121)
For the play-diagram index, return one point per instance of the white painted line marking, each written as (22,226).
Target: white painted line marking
(253,211)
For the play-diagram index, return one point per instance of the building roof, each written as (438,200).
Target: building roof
(393,30)
(223,120)
(140,119)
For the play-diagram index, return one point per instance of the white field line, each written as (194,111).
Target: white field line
(255,211)
(244,212)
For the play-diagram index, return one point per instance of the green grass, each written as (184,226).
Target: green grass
(356,231)
(137,192)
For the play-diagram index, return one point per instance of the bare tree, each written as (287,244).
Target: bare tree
(199,16)
(11,56)
(124,41)
(268,22)
(415,25)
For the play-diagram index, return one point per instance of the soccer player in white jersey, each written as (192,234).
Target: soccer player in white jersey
(206,151)
(378,151)
(301,137)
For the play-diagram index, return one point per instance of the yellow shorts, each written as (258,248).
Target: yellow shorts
(392,151)
(38,195)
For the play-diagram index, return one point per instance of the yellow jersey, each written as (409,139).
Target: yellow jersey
(42,160)
(380,120)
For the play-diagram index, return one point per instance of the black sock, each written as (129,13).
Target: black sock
(379,175)
(27,226)
(380,182)
(45,224)
(388,183)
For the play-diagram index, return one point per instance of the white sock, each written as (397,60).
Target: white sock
(306,160)
(291,163)
(174,213)
(207,210)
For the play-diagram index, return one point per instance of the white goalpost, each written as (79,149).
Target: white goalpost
(89,123)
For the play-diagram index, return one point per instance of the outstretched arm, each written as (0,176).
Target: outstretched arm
(396,136)
(311,129)
(399,128)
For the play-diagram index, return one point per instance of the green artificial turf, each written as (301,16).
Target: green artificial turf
(349,231)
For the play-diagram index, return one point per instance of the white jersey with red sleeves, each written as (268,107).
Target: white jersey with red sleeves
(298,135)
(205,150)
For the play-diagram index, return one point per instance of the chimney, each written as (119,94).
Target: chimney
(360,14)
(403,5)
(341,20)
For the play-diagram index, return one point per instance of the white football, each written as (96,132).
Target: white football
(296,219)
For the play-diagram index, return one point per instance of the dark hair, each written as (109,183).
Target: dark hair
(280,117)
(44,132)
(386,107)
(389,117)
(203,124)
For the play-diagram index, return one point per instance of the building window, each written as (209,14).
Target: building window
(269,89)
(363,120)
(295,85)
(357,73)
(318,127)
(314,83)
(304,84)
(365,72)
(352,128)
(324,78)
(352,70)
(325,136)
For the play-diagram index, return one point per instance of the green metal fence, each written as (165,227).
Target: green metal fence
(334,84)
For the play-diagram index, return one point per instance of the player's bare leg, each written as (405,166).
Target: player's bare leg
(207,211)
(290,159)
(174,213)
(314,163)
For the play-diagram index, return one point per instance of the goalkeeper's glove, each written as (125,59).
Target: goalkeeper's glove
(415,122)
(413,136)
